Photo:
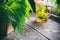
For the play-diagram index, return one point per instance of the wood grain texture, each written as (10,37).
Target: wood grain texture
(37,31)
(50,29)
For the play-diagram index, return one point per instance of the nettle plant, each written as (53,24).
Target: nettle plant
(13,12)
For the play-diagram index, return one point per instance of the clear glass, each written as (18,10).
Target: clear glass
(40,9)
(41,12)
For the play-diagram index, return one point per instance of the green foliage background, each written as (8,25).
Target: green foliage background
(57,4)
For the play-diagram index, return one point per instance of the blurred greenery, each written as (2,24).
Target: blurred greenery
(57,2)
(58,8)
(16,11)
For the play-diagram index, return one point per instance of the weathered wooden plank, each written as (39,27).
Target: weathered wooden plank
(12,36)
(51,28)
(30,34)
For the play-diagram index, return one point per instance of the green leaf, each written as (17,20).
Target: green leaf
(18,11)
(28,7)
(10,1)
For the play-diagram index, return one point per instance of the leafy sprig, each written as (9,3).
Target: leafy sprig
(16,11)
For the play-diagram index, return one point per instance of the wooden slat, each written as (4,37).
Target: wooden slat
(28,34)
(31,34)
(50,29)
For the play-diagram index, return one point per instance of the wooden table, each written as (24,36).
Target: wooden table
(49,30)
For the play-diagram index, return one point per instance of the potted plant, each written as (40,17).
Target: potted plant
(13,13)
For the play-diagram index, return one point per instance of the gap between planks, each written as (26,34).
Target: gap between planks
(38,31)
